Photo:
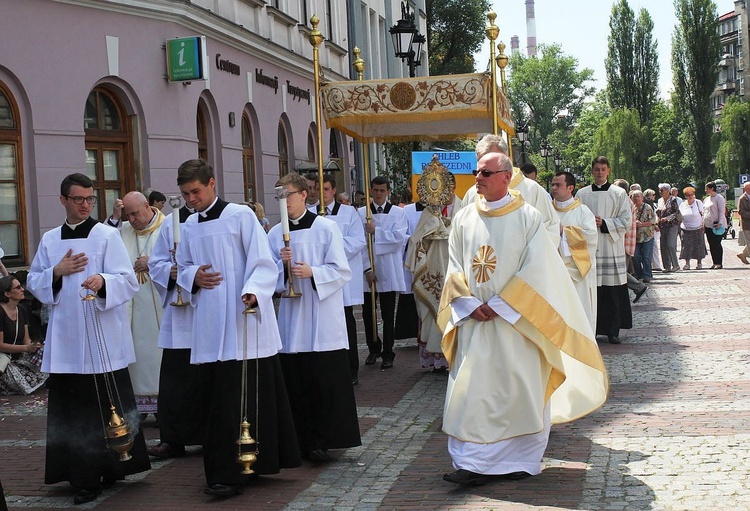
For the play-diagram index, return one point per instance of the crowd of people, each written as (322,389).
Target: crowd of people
(209,317)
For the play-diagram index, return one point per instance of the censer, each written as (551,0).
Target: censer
(247,446)
(117,433)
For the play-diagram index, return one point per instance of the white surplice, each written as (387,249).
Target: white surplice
(353,232)
(235,245)
(177,322)
(388,247)
(66,349)
(315,321)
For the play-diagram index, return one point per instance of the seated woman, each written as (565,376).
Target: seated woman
(19,374)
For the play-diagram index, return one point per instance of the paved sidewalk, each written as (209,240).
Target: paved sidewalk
(672,436)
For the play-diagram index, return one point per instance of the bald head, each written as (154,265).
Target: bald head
(494,171)
(135,209)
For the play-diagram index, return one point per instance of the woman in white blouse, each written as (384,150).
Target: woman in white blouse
(691,229)
(714,217)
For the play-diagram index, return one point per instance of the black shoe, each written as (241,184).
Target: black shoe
(355,381)
(613,339)
(439,370)
(514,476)
(319,456)
(371,358)
(84,496)
(639,294)
(465,477)
(165,450)
(387,364)
(223,490)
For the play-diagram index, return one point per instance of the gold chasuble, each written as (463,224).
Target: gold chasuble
(502,374)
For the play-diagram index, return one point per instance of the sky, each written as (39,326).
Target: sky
(582,27)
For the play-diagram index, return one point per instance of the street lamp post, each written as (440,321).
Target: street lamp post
(407,41)
(558,160)
(544,150)
(522,132)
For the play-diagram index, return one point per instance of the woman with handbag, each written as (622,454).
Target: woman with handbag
(669,224)
(691,234)
(715,223)
(18,372)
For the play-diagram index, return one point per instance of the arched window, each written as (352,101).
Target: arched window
(312,147)
(283,151)
(108,149)
(202,133)
(12,206)
(248,160)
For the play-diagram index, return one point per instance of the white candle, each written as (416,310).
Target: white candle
(284,216)
(176,223)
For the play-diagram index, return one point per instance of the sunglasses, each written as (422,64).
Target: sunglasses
(487,173)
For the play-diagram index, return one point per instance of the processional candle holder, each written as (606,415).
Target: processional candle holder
(117,432)
(175,202)
(281,196)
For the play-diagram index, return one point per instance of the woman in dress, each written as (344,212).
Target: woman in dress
(714,207)
(691,234)
(22,374)
(667,211)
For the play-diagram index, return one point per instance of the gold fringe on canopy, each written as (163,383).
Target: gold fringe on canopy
(423,108)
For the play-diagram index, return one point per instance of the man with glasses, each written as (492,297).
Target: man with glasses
(521,351)
(225,264)
(85,256)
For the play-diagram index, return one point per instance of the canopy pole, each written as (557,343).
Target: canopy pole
(502,63)
(359,67)
(492,31)
(316,39)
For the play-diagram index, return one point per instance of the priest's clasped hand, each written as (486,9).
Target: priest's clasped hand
(483,313)
(249,300)
(207,280)
(301,270)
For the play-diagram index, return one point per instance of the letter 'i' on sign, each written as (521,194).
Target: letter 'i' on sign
(186,59)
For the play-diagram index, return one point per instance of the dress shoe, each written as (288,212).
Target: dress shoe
(319,456)
(85,495)
(639,294)
(613,339)
(371,358)
(165,450)
(223,490)
(514,476)
(742,258)
(387,364)
(466,478)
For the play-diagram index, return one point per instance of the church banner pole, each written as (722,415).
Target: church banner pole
(359,67)
(492,31)
(316,39)
(502,63)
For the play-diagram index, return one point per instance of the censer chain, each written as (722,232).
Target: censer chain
(243,398)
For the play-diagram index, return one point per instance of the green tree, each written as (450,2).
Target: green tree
(580,150)
(455,32)
(547,91)
(632,64)
(620,138)
(665,154)
(733,157)
(695,58)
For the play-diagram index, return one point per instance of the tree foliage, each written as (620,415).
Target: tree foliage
(580,150)
(455,32)
(620,138)
(695,58)
(733,157)
(632,63)
(547,91)
(665,153)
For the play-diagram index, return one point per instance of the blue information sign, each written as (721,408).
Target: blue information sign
(458,162)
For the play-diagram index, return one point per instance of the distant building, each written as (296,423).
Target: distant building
(734,66)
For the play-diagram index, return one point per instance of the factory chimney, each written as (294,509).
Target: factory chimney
(530,29)
(514,45)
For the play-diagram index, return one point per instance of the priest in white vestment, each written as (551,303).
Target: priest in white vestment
(531,191)
(521,351)
(179,411)
(313,328)
(140,230)
(578,240)
(225,263)
(612,211)
(82,255)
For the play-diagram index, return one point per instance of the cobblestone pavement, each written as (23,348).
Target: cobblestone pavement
(672,436)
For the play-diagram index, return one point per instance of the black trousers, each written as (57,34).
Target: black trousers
(351,332)
(714,245)
(387,314)
(180,404)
